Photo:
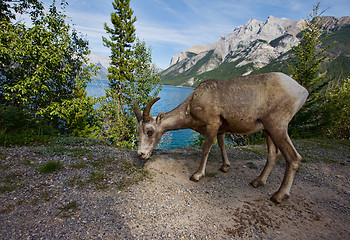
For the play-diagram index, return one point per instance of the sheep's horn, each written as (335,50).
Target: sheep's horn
(148,109)
(137,111)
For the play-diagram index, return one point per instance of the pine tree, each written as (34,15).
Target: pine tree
(305,68)
(308,54)
(132,77)
(122,36)
(120,76)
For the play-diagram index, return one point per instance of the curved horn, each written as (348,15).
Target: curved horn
(137,111)
(148,109)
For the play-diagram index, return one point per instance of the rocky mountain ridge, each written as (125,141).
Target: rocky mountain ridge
(249,47)
(243,35)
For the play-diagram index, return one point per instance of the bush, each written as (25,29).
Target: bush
(336,112)
(197,140)
(77,117)
(18,127)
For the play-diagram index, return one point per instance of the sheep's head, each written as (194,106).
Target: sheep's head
(149,129)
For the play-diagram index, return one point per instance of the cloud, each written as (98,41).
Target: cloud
(175,35)
(173,26)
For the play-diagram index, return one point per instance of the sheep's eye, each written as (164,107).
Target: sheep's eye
(150,133)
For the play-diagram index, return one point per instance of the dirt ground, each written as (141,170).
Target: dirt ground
(167,205)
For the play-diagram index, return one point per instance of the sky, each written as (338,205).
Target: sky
(171,26)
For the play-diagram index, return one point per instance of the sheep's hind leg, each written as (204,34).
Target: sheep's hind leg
(272,158)
(225,162)
(293,159)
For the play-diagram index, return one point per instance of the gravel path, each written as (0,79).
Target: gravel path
(101,192)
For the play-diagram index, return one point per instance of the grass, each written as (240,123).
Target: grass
(324,150)
(76,181)
(10,187)
(141,175)
(29,162)
(260,150)
(78,165)
(75,141)
(10,183)
(99,179)
(50,167)
(68,209)
(133,175)
(55,150)
(47,195)
(311,150)
(69,145)
(127,167)
(211,174)
(326,144)
(101,163)
(251,165)
(97,164)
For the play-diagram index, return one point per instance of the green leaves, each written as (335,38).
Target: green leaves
(44,69)
(336,111)
(41,62)
(132,77)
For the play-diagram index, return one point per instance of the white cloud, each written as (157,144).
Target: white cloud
(173,26)
(164,34)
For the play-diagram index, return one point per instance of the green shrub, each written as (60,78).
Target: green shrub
(197,140)
(336,112)
(18,127)
(50,167)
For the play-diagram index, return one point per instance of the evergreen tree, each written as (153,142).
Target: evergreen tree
(131,77)
(120,73)
(308,53)
(122,36)
(305,68)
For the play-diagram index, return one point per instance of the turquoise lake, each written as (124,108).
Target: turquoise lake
(171,97)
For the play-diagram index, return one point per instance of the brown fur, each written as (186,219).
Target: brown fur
(241,105)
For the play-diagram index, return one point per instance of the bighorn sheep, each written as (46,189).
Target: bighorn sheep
(243,105)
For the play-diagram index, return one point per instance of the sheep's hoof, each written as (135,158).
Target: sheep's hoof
(224,168)
(256,183)
(278,198)
(193,179)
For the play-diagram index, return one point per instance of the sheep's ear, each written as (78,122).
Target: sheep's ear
(160,117)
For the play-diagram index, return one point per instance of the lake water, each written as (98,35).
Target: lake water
(171,97)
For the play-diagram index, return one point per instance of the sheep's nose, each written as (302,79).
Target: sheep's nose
(143,155)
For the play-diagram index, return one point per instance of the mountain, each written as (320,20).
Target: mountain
(338,55)
(102,62)
(248,48)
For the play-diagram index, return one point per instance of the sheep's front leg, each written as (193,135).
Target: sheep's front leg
(208,142)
